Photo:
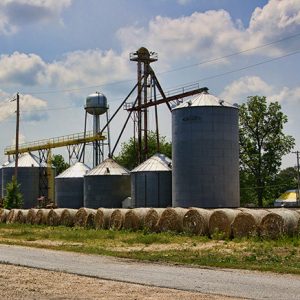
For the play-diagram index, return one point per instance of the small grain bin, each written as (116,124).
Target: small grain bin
(205,147)
(151,182)
(29,171)
(69,186)
(107,185)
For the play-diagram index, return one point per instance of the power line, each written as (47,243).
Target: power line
(239,69)
(195,82)
(169,71)
(230,55)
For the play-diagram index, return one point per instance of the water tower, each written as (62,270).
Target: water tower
(96,105)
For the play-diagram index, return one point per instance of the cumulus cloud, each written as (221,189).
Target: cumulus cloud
(214,33)
(29,108)
(240,89)
(89,67)
(246,86)
(75,69)
(15,13)
(20,68)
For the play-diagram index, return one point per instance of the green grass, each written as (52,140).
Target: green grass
(282,255)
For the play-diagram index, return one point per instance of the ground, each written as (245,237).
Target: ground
(27,283)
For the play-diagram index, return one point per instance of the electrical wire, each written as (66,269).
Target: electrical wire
(238,70)
(160,73)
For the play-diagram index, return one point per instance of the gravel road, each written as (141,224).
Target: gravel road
(28,283)
(234,283)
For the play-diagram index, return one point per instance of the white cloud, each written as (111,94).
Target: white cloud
(90,67)
(240,89)
(246,86)
(287,96)
(16,13)
(205,35)
(75,69)
(29,106)
(20,68)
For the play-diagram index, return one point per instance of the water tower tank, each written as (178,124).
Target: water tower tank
(151,182)
(69,186)
(107,185)
(96,104)
(205,147)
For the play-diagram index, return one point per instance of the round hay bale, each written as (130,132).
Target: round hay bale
(31,216)
(117,219)
(82,215)
(54,215)
(102,218)
(152,217)
(21,216)
(135,218)
(3,215)
(220,222)
(10,219)
(196,220)
(171,219)
(247,222)
(90,221)
(68,217)
(41,216)
(279,222)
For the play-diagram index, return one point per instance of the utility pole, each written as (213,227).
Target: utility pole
(298,175)
(17,135)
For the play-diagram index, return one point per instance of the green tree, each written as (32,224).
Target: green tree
(262,142)
(128,154)
(13,197)
(59,163)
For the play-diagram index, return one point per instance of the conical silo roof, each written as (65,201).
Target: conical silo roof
(78,170)
(26,160)
(157,162)
(205,99)
(108,167)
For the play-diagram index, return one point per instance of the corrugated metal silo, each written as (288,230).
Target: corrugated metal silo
(107,185)
(205,147)
(151,182)
(28,178)
(69,186)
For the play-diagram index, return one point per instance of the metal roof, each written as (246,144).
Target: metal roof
(205,99)
(77,171)
(158,162)
(108,167)
(26,160)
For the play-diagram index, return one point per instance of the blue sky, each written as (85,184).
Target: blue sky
(49,46)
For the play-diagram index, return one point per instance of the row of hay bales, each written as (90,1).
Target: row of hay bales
(220,223)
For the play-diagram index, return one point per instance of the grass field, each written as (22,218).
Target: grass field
(282,255)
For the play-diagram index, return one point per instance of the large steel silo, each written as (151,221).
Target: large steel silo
(69,186)
(151,182)
(28,178)
(107,185)
(205,147)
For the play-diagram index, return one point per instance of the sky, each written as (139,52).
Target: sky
(55,53)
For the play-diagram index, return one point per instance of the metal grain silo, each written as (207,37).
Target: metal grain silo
(107,185)
(69,186)
(28,178)
(205,147)
(151,182)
